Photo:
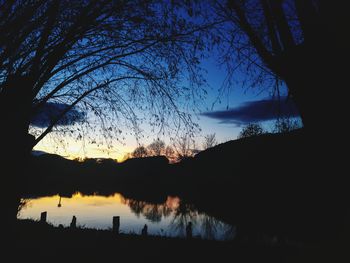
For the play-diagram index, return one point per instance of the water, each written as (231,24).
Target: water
(96,211)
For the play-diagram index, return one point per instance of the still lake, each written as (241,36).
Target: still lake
(96,211)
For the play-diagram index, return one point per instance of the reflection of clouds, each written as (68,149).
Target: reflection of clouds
(100,203)
(172,202)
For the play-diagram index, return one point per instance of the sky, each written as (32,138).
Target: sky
(238,107)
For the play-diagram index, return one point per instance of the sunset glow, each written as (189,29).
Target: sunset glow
(94,211)
(77,149)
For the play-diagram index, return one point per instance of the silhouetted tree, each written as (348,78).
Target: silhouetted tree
(209,141)
(98,56)
(170,153)
(250,130)
(303,44)
(104,58)
(156,148)
(183,147)
(283,125)
(140,152)
(300,42)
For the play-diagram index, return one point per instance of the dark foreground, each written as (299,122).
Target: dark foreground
(35,242)
(292,186)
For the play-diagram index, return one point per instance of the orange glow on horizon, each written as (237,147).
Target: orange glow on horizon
(73,149)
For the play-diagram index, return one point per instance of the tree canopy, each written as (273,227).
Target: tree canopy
(114,60)
(250,130)
(140,152)
(295,42)
(209,141)
(157,148)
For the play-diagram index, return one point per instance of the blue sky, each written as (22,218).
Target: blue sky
(235,98)
(221,113)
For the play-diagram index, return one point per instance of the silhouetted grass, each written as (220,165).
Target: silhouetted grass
(36,240)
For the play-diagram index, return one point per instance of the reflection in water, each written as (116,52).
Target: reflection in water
(182,216)
(59,202)
(153,212)
(169,218)
(22,204)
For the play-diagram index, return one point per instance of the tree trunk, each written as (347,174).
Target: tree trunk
(15,105)
(313,78)
(316,79)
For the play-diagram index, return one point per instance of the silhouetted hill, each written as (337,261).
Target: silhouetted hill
(267,153)
(56,165)
(273,183)
(151,166)
(278,184)
(51,174)
(147,161)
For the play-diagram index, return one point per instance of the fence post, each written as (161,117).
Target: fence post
(73,224)
(144,230)
(189,230)
(116,224)
(43,217)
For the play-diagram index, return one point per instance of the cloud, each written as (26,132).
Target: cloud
(51,110)
(256,111)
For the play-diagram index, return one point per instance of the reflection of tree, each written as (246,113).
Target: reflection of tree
(135,206)
(212,228)
(59,202)
(230,232)
(184,214)
(209,227)
(152,212)
(22,204)
(166,211)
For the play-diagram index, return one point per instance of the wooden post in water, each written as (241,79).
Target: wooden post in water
(73,224)
(189,230)
(144,230)
(43,217)
(116,224)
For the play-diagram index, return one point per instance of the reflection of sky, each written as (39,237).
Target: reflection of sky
(224,131)
(98,211)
